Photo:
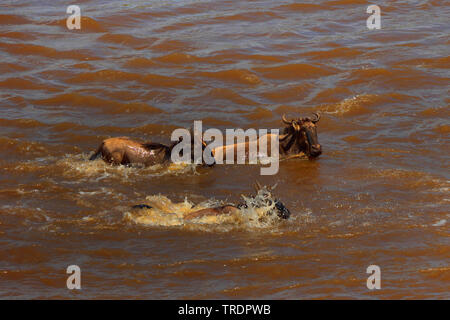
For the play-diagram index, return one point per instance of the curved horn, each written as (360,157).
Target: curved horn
(285,120)
(317,117)
(257,186)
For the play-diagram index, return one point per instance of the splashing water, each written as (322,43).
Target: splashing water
(255,212)
(79,166)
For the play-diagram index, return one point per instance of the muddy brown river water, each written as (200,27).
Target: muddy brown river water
(379,193)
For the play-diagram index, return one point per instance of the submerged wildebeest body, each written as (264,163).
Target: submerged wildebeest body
(276,206)
(279,208)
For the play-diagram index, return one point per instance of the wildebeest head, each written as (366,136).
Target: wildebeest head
(300,135)
(265,199)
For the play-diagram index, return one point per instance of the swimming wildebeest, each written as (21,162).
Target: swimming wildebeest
(298,138)
(265,199)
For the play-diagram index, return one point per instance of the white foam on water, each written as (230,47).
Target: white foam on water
(440,223)
(79,167)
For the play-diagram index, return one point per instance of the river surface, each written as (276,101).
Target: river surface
(378,195)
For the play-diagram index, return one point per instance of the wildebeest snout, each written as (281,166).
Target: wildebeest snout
(282,211)
(316,150)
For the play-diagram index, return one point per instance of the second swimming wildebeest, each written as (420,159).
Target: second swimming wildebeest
(264,199)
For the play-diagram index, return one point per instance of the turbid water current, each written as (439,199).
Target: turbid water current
(379,193)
